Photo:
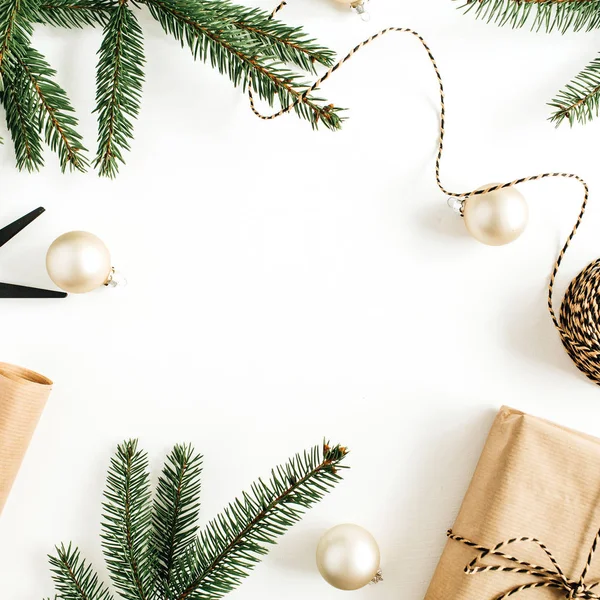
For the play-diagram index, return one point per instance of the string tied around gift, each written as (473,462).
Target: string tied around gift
(578,321)
(553,577)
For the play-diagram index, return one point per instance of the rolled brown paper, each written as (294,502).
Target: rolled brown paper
(536,479)
(23,395)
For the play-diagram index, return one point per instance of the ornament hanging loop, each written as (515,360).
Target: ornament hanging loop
(115,279)
(456,204)
(359,9)
(378,577)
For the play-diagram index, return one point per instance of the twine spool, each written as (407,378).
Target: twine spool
(579,321)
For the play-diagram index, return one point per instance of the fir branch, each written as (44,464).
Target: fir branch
(21,118)
(241,57)
(158,556)
(175,512)
(126,524)
(286,44)
(580,99)
(249,45)
(73,578)
(232,544)
(548,15)
(16,19)
(118,87)
(278,40)
(56,114)
(75,13)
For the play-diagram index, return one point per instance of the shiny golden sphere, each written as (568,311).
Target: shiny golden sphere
(78,262)
(498,217)
(348,557)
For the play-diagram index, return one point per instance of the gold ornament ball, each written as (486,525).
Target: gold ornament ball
(78,262)
(496,218)
(348,557)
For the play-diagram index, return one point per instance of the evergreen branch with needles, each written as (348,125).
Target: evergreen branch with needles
(153,547)
(579,100)
(246,44)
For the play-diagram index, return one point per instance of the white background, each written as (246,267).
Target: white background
(287,285)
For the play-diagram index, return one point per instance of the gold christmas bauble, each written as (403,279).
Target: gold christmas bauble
(498,217)
(348,557)
(78,262)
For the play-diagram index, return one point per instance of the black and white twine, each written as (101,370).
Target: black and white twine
(553,577)
(578,321)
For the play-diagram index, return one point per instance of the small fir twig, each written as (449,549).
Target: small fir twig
(547,15)
(73,578)
(126,528)
(233,543)
(20,107)
(118,87)
(175,513)
(240,58)
(75,13)
(56,116)
(579,100)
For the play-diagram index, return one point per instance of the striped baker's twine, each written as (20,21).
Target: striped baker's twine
(548,578)
(579,320)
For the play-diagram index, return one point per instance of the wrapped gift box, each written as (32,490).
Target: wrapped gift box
(538,481)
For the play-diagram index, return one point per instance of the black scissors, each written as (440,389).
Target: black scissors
(8,290)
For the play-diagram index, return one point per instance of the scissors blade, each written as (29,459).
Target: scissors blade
(8,233)
(7,290)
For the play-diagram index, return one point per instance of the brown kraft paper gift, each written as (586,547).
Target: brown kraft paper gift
(534,479)
(23,395)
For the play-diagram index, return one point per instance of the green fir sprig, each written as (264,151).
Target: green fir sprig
(579,100)
(248,45)
(75,13)
(119,87)
(153,547)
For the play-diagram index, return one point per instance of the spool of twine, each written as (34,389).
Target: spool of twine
(579,319)
(579,322)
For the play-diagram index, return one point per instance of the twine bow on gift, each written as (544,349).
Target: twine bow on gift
(548,578)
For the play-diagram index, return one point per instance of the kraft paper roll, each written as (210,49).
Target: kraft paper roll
(23,395)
